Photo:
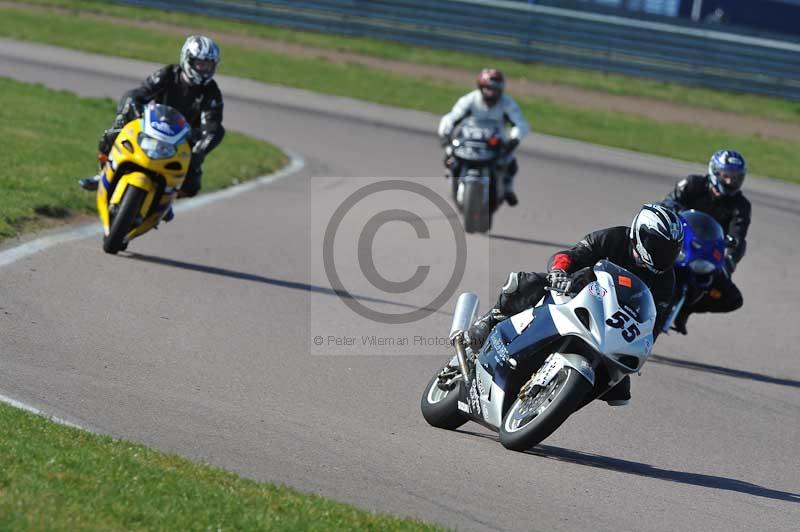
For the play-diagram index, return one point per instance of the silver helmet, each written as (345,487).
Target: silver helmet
(199,59)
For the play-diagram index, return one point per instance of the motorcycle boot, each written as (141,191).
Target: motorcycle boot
(679,325)
(508,183)
(480,330)
(91,183)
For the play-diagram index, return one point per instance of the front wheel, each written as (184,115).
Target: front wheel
(474,207)
(123,219)
(440,406)
(533,419)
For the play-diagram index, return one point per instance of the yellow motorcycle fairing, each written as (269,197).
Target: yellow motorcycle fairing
(128,165)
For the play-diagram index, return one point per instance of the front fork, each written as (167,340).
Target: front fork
(461,355)
(676,308)
(553,364)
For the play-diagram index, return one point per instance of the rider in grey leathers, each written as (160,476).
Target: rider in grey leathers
(488,102)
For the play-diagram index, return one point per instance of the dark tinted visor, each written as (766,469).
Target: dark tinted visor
(731,180)
(663,252)
(204,66)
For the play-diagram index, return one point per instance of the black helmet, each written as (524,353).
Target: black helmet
(656,237)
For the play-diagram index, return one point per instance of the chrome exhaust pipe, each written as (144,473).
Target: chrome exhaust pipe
(464,315)
(466,312)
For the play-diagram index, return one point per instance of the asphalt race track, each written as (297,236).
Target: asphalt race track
(200,340)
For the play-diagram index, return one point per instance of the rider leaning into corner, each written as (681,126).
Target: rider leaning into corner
(648,249)
(488,102)
(190,88)
(718,194)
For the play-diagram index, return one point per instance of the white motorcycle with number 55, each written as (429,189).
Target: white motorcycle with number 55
(540,366)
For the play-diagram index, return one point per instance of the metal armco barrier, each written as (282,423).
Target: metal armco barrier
(543,34)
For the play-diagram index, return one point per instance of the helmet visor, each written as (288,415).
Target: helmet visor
(490,94)
(662,252)
(731,180)
(204,67)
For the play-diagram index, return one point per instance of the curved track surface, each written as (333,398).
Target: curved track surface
(199,342)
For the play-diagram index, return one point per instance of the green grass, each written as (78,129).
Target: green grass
(772,157)
(50,140)
(58,478)
(745,104)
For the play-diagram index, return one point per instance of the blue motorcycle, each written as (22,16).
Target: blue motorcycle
(702,257)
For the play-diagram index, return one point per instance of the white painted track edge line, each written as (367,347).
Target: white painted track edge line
(8,256)
(16,253)
(33,410)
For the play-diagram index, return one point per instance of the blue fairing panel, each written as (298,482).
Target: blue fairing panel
(504,343)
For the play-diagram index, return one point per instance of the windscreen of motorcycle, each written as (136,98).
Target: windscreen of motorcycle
(704,243)
(614,314)
(477,140)
(633,296)
(164,123)
(625,324)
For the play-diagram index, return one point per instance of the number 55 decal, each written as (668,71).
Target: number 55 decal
(618,321)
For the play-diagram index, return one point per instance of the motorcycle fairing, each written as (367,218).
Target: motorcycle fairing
(129,165)
(704,241)
(477,141)
(502,352)
(617,295)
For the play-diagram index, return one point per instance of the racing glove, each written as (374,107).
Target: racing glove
(559,280)
(511,145)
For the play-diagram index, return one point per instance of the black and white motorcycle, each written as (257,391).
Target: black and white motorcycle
(477,190)
(538,367)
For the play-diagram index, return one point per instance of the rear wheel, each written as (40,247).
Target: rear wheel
(123,219)
(439,404)
(531,420)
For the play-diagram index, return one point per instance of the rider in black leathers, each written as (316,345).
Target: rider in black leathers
(719,195)
(647,249)
(188,87)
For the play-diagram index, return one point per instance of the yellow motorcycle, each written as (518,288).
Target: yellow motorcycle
(145,170)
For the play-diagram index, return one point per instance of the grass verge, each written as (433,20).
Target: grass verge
(739,103)
(59,478)
(50,140)
(772,157)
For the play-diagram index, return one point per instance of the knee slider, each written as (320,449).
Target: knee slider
(512,284)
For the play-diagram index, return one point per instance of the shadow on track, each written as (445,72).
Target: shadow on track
(244,276)
(646,470)
(720,370)
(559,245)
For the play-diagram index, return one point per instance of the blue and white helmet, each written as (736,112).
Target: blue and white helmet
(657,237)
(726,171)
(199,59)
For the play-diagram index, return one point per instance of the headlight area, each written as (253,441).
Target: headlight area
(702,266)
(154,148)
